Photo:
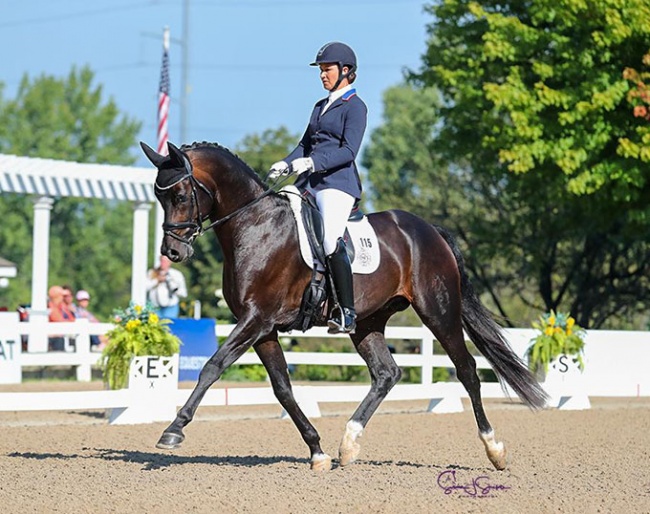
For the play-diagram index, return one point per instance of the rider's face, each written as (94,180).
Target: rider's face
(329,74)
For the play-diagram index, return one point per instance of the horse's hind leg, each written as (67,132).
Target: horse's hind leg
(272,357)
(445,323)
(384,374)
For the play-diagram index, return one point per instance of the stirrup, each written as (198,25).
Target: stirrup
(342,322)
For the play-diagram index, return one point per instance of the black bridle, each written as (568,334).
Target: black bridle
(197,225)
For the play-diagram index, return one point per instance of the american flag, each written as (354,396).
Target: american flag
(163,97)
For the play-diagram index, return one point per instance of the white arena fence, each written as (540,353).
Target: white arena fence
(616,365)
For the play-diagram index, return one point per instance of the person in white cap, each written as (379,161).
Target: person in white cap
(82,312)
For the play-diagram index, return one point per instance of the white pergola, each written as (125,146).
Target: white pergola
(7,270)
(47,179)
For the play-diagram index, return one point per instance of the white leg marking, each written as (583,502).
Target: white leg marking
(495,450)
(321,462)
(349,449)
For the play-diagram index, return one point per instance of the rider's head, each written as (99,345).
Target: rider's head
(338,65)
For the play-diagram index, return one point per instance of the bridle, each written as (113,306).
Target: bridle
(197,224)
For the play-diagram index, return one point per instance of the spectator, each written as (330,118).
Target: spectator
(57,313)
(165,287)
(68,307)
(82,312)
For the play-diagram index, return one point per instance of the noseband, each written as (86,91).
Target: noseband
(196,225)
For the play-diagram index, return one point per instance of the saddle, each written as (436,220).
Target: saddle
(316,299)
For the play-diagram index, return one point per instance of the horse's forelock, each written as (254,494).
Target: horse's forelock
(166,178)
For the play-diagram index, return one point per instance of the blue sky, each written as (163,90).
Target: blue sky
(248,59)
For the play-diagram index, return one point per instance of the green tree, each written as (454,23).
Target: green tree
(403,169)
(534,104)
(68,119)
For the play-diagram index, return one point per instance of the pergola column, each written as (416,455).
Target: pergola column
(139,260)
(38,313)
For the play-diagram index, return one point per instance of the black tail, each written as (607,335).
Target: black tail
(488,338)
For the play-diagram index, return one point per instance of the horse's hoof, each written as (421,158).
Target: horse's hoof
(349,454)
(170,441)
(350,449)
(499,459)
(495,450)
(321,462)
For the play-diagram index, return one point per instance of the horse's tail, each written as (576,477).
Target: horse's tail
(488,337)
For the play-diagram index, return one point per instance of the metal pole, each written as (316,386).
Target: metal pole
(186,86)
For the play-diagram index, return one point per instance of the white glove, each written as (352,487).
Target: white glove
(302,165)
(277,169)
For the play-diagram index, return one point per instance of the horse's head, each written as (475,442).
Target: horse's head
(186,202)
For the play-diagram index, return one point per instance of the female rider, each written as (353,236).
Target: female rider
(324,161)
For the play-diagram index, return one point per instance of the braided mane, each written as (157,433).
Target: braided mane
(206,145)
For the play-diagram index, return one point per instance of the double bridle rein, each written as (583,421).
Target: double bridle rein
(197,224)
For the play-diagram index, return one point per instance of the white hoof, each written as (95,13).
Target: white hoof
(321,462)
(350,449)
(496,450)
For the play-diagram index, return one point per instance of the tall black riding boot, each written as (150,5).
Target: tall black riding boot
(343,316)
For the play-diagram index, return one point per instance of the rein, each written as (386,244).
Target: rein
(197,224)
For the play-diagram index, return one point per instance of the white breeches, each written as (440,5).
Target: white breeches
(335,207)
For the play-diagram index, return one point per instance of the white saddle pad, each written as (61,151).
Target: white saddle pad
(363,236)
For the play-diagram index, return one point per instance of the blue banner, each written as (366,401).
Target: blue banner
(199,344)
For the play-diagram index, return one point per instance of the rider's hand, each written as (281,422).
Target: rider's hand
(302,165)
(277,169)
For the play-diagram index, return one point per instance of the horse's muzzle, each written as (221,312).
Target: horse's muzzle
(177,251)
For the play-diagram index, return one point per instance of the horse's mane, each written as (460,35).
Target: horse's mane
(206,145)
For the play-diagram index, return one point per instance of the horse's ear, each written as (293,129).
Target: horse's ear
(178,158)
(155,158)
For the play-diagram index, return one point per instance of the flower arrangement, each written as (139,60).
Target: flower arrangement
(558,335)
(138,331)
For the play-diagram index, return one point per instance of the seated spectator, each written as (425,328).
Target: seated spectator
(82,312)
(68,306)
(57,313)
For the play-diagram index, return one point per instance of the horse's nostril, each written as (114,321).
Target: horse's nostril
(173,254)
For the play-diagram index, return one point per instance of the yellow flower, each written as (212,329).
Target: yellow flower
(570,322)
(131,324)
(153,318)
(551,320)
(138,309)
(548,331)
(569,331)
(557,330)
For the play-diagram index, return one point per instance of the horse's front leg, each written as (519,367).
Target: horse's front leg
(271,355)
(246,333)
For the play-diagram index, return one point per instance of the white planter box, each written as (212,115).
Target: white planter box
(153,382)
(565,384)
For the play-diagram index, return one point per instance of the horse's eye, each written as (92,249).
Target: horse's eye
(180,198)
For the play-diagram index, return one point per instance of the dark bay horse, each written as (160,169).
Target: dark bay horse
(264,279)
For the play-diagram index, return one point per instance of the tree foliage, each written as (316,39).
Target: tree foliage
(90,241)
(534,104)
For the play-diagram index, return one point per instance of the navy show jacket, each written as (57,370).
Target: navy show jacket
(333,141)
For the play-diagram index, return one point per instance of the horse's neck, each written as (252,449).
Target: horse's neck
(232,188)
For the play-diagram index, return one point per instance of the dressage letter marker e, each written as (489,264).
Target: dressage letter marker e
(153,381)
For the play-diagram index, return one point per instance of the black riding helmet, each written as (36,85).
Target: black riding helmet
(340,54)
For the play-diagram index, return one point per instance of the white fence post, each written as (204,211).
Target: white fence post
(82,348)
(426,350)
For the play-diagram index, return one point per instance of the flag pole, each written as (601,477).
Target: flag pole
(162,135)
